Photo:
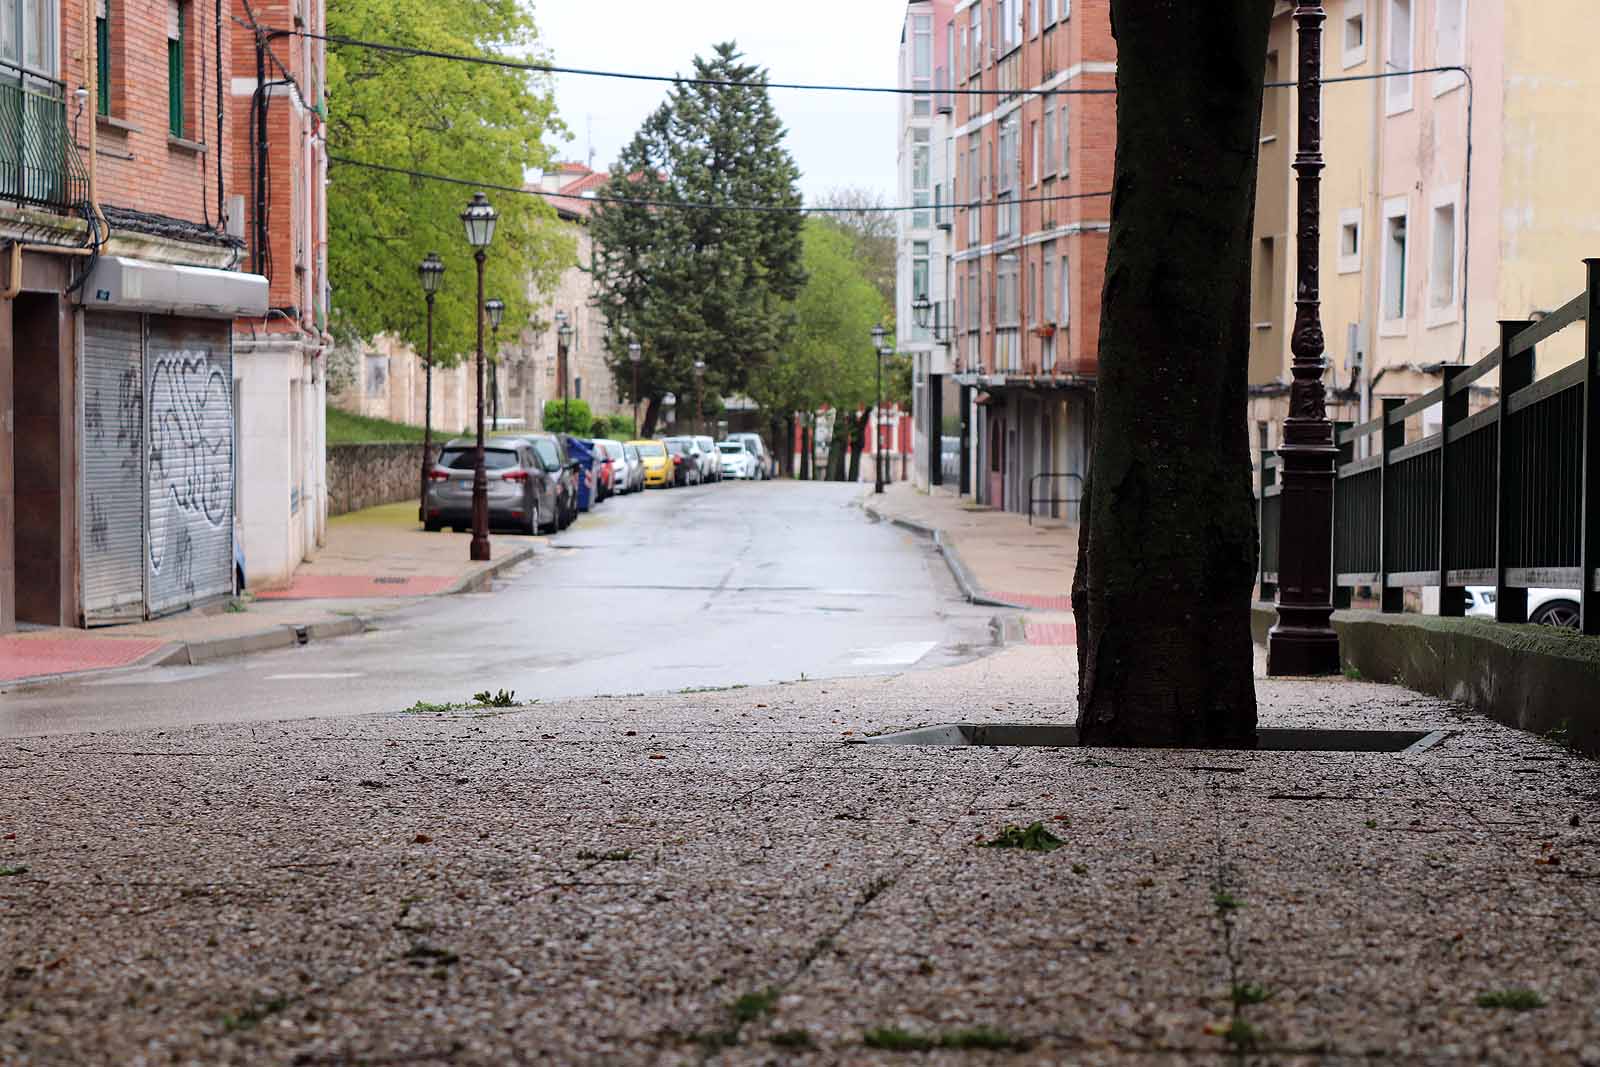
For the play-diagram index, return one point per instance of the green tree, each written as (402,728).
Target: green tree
(568,416)
(1168,543)
(704,285)
(828,360)
(483,122)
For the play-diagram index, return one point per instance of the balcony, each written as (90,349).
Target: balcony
(39,164)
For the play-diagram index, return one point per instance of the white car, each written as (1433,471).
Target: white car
(737,462)
(757,448)
(1548,607)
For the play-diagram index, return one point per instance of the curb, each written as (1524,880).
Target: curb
(958,566)
(484,578)
(195,653)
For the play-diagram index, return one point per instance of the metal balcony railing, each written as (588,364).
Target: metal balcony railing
(39,164)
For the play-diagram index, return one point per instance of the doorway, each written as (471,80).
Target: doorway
(39,458)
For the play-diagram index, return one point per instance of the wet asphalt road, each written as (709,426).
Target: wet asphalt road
(730,584)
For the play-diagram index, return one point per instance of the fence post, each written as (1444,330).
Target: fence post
(1452,598)
(1269,477)
(1589,502)
(1392,436)
(1516,372)
(1347,454)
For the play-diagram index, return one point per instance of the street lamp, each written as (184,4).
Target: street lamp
(878,334)
(431,273)
(699,406)
(495,308)
(563,339)
(635,355)
(479,219)
(1304,642)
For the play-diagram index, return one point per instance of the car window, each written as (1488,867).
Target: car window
(651,449)
(614,450)
(730,449)
(545,449)
(675,447)
(494,459)
(630,452)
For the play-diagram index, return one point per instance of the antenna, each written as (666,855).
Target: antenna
(588,125)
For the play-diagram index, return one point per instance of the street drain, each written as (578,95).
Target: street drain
(390,581)
(1268,739)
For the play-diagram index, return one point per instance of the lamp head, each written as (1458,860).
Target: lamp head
(496,310)
(635,352)
(920,307)
(479,218)
(431,273)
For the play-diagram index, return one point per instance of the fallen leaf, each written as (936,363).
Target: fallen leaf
(760,705)
(632,733)
(657,755)
(421,839)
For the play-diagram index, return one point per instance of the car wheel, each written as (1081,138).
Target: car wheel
(1562,614)
(431,526)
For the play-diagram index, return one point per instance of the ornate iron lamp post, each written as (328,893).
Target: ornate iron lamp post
(479,219)
(699,392)
(1304,642)
(563,339)
(495,308)
(431,273)
(635,355)
(879,349)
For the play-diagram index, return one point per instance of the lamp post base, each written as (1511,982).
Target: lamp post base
(1302,652)
(480,550)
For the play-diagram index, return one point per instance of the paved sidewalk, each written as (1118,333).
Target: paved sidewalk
(376,561)
(717,878)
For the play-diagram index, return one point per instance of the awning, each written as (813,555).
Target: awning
(121,284)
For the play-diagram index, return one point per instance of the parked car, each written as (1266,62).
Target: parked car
(710,459)
(737,462)
(520,495)
(635,465)
(685,460)
(621,477)
(757,448)
(657,463)
(1547,607)
(604,470)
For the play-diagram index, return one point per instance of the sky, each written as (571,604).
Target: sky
(838,139)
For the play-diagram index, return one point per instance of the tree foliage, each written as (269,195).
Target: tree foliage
(704,285)
(443,117)
(859,213)
(568,416)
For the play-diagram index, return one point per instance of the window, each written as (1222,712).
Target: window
(1036,153)
(1006,286)
(1355,33)
(1066,9)
(919,284)
(1264,283)
(1007,208)
(1398,93)
(1033,18)
(972,301)
(1047,313)
(175,15)
(1049,151)
(1064,306)
(974,195)
(1032,310)
(1442,262)
(976,55)
(1048,15)
(1270,102)
(1066,140)
(28,34)
(1394,261)
(102,56)
(1009,33)
(1449,43)
(921,63)
(1349,240)
(921,178)
(958,59)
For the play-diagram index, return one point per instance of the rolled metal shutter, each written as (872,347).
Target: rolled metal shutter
(189,461)
(111,490)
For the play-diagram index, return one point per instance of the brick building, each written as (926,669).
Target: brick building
(1027,267)
(121,282)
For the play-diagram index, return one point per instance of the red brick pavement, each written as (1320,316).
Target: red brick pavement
(1036,600)
(1051,633)
(25,656)
(325,586)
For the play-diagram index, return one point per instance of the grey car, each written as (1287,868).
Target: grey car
(525,493)
(710,459)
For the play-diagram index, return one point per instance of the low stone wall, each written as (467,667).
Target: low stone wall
(364,476)
(1535,678)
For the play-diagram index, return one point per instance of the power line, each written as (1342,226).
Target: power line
(673,79)
(694,205)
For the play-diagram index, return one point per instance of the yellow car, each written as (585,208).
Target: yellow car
(657,464)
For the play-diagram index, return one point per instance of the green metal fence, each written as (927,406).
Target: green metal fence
(39,164)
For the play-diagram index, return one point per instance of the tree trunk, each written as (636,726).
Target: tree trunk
(1167,550)
(652,411)
(836,449)
(808,445)
(786,453)
(858,440)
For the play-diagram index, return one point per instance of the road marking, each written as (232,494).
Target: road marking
(899,655)
(313,677)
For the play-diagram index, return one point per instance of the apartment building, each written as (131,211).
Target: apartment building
(923,237)
(1426,245)
(279,209)
(1033,148)
(118,477)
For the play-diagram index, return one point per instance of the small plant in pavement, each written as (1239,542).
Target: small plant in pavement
(252,1016)
(423,707)
(1249,993)
(753,1006)
(1241,1035)
(1032,838)
(1226,902)
(793,1039)
(505,698)
(7,871)
(1519,999)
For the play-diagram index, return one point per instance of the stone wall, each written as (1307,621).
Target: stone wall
(364,476)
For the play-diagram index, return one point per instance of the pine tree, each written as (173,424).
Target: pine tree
(692,284)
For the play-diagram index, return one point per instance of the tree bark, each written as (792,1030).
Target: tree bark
(786,452)
(808,450)
(652,411)
(858,440)
(1167,548)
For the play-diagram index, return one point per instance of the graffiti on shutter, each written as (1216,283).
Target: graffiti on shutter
(189,393)
(112,486)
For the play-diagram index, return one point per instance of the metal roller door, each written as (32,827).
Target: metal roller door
(113,456)
(189,461)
